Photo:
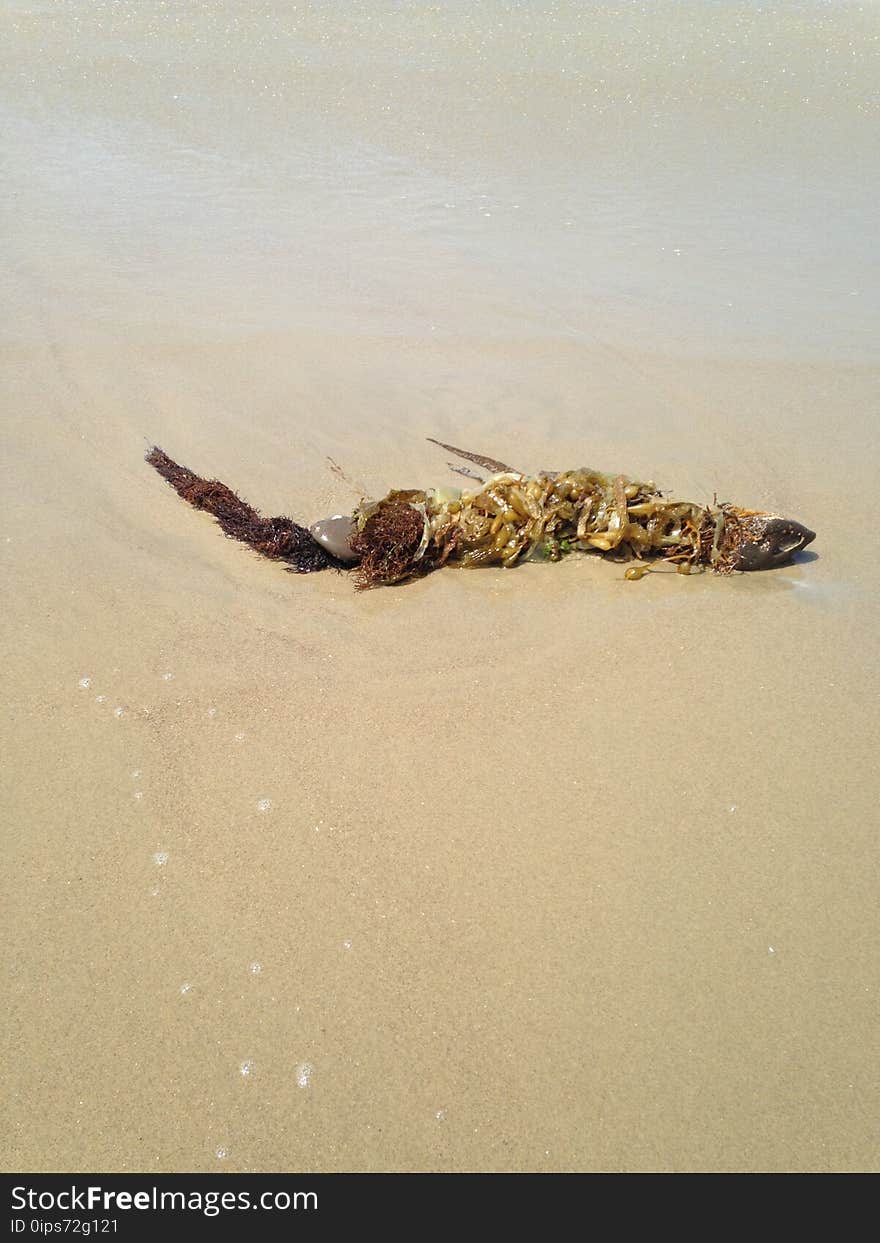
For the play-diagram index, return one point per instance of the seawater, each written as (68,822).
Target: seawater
(699,174)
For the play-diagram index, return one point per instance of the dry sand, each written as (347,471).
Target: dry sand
(525,870)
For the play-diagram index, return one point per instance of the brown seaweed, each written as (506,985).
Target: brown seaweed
(490,463)
(387,543)
(279,538)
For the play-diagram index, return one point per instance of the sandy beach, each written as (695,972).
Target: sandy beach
(519,870)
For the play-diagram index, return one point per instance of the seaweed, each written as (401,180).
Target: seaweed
(511,517)
(280,539)
(507,518)
(490,463)
(387,543)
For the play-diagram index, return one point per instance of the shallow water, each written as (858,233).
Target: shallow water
(697,174)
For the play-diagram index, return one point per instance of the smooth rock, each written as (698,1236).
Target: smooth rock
(334,534)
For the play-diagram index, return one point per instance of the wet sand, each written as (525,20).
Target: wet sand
(524,870)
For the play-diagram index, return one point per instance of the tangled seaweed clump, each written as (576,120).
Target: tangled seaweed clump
(513,517)
(508,518)
(401,535)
